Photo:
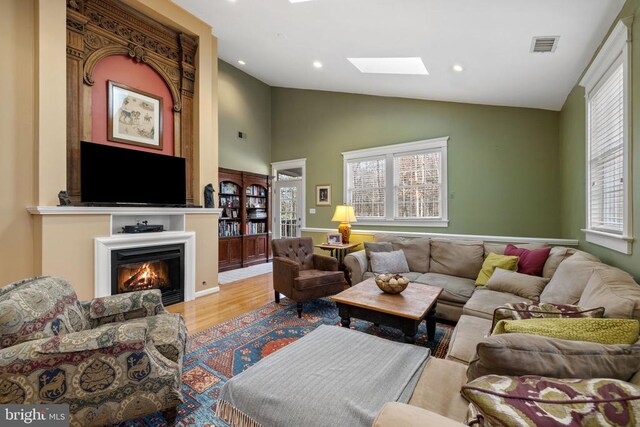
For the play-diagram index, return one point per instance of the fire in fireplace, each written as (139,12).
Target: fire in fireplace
(154,267)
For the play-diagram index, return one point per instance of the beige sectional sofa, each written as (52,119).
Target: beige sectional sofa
(575,278)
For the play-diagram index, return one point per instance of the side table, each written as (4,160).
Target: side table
(339,251)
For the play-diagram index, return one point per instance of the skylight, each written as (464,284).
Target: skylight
(413,65)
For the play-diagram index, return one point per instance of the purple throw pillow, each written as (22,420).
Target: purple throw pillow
(530,261)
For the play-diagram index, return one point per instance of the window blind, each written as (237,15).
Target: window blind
(366,187)
(606,154)
(417,191)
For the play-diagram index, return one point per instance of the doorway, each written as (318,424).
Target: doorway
(288,197)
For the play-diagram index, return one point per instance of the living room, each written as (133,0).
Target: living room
(516,169)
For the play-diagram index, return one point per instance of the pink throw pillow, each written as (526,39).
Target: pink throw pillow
(530,261)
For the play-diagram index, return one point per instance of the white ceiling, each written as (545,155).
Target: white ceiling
(491,39)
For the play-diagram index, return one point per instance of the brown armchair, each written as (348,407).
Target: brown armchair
(300,274)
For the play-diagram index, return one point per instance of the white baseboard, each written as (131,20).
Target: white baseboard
(207,291)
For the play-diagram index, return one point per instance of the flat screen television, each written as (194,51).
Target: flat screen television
(112,175)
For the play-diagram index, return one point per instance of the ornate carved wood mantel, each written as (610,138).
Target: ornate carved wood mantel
(97,29)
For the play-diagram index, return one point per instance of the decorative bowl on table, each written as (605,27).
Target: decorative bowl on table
(392,283)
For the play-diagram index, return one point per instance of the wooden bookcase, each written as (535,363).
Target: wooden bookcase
(244,228)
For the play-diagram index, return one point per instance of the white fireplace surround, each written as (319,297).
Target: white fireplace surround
(104,246)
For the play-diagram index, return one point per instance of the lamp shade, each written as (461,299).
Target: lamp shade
(344,213)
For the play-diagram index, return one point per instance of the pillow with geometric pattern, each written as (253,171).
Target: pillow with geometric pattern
(532,400)
(543,310)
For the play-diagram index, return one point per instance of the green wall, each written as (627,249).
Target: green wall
(572,154)
(244,105)
(503,162)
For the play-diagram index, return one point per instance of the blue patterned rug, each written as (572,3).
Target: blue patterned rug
(218,353)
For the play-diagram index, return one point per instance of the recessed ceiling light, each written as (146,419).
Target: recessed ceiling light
(241,62)
(317,64)
(458,68)
(413,65)
(297,1)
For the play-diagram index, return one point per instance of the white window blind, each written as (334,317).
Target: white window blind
(366,187)
(417,193)
(606,153)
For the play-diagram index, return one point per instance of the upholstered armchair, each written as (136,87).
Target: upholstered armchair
(110,359)
(300,274)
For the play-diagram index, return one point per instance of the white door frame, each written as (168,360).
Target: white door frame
(292,164)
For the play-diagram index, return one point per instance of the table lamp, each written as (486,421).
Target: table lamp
(344,214)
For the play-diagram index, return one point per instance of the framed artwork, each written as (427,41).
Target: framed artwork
(323,195)
(135,117)
(334,238)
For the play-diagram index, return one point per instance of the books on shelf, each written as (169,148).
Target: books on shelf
(256,190)
(229,228)
(229,201)
(255,228)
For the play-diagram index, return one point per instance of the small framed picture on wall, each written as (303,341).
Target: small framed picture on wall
(134,117)
(323,195)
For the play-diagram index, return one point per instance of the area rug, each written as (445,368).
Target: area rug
(218,353)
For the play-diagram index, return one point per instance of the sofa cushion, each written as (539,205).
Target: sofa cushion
(389,262)
(456,289)
(532,400)
(604,331)
(521,354)
(523,285)
(396,414)
(492,262)
(417,252)
(559,254)
(483,302)
(39,307)
(570,279)
(530,261)
(615,290)
(456,258)
(447,377)
(468,333)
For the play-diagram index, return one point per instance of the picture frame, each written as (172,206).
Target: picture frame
(323,195)
(134,116)
(334,238)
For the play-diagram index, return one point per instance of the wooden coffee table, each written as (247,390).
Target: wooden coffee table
(403,311)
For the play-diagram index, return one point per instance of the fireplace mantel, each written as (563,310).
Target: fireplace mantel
(106,210)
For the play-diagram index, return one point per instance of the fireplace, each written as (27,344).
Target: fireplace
(151,267)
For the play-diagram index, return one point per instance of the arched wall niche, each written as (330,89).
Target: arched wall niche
(101,29)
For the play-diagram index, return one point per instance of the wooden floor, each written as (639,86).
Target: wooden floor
(233,300)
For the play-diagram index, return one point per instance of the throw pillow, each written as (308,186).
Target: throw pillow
(494,261)
(370,247)
(604,331)
(389,262)
(530,261)
(615,290)
(533,400)
(456,257)
(569,280)
(523,285)
(520,354)
(543,310)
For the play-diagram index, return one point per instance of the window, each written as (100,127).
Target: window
(402,183)
(608,165)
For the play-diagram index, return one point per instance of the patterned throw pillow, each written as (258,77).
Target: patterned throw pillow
(538,401)
(543,310)
(603,331)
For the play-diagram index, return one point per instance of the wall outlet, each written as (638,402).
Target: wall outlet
(312,211)
(242,135)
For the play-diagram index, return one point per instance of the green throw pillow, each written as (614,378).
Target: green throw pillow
(603,331)
(494,261)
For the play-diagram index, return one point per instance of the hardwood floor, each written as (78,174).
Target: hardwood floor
(233,300)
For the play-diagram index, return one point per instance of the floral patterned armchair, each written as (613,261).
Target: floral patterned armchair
(111,359)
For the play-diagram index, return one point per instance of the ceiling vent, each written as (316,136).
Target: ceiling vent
(544,44)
